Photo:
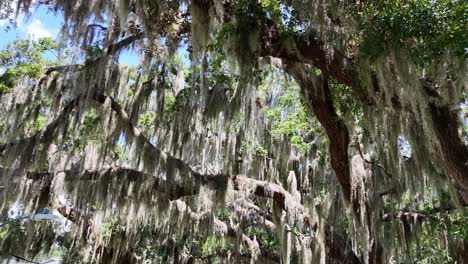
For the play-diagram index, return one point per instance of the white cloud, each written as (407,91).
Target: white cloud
(36,30)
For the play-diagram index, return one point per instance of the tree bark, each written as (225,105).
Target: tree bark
(318,93)
(454,153)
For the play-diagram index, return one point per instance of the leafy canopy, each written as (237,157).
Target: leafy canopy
(23,58)
(426,28)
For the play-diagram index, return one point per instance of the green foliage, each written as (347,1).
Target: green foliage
(260,151)
(219,74)
(439,221)
(36,124)
(266,239)
(224,214)
(430,248)
(458,225)
(272,8)
(111,228)
(90,120)
(322,155)
(23,58)
(281,12)
(147,120)
(244,147)
(317,71)
(12,236)
(132,79)
(290,118)
(94,51)
(213,245)
(426,28)
(345,100)
(169,102)
(119,153)
(236,123)
(89,129)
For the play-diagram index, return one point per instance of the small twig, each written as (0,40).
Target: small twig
(358,147)
(98,25)
(14,220)
(388,191)
(405,215)
(18,257)
(208,168)
(416,214)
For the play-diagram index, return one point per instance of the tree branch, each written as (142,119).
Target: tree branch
(318,93)
(115,47)
(239,182)
(46,134)
(358,147)
(97,25)
(205,219)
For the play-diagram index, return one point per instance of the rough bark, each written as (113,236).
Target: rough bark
(319,97)
(454,153)
(318,93)
(338,249)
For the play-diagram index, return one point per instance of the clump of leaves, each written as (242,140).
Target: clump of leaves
(94,51)
(235,124)
(433,230)
(119,153)
(36,124)
(426,28)
(90,120)
(111,228)
(88,130)
(147,120)
(169,102)
(213,245)
(289,116)
(244,147)
(224,214)
(344,100)
(23,58)
(260,151)
(266,239)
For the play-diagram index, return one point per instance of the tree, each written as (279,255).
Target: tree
(352,154)
(24,58)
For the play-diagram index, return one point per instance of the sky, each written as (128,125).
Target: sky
(43,23)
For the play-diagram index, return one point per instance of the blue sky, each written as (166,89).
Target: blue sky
(41,23)
(44,23)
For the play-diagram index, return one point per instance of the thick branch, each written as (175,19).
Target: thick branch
(174,190)
(453,154)
(318,93)
(412,216)
(98,26)
(239,182)
(48,133)
(305,48)
(406,216)
(115,47)
(339,249)
(358,147)
(205,219)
